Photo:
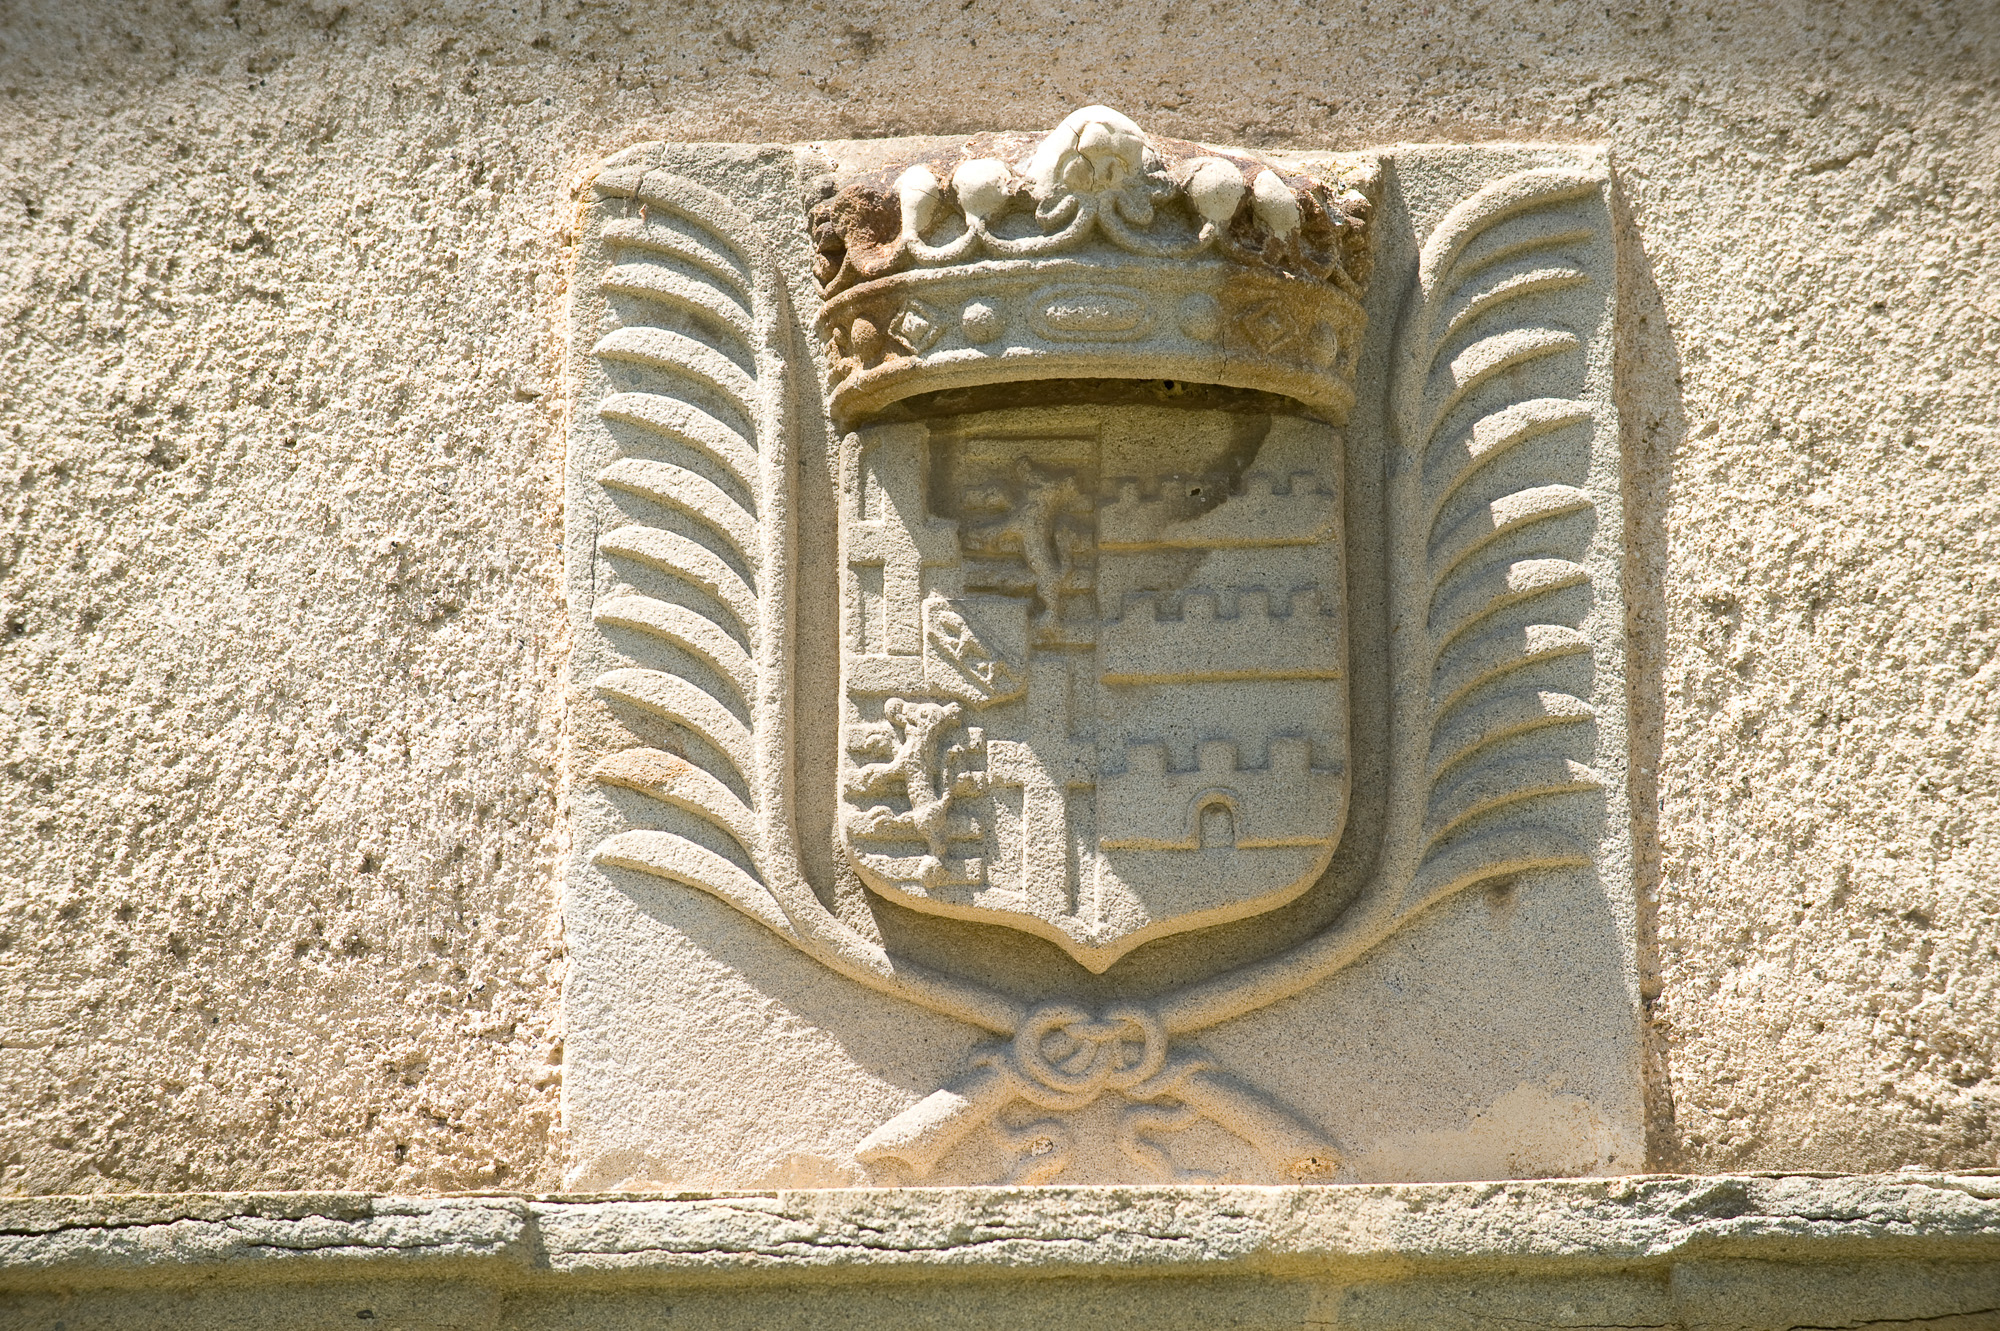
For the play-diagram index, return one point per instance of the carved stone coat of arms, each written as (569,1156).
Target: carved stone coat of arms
(1049,580)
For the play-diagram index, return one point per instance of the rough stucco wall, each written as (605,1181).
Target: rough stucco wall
(280,289)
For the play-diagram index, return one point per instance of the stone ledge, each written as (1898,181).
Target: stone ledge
(1921,1246)
(872,1233)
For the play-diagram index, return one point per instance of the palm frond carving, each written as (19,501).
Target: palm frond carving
(1495,522)
(696,355)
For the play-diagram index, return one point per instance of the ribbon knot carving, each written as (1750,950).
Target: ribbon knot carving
(1063,1059)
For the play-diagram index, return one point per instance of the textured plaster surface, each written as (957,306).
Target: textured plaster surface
(281,304)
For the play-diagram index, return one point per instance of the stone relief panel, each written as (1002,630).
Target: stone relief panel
(1083,593)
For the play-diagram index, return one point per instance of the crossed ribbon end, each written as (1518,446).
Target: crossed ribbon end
(1063,1059)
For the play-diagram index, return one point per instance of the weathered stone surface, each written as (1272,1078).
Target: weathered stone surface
(1764,1252)
(237,238)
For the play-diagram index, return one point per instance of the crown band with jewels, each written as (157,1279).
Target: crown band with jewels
(1103,254)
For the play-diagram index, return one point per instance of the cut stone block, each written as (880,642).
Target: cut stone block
(1097,659)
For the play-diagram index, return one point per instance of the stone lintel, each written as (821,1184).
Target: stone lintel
(1737,1251)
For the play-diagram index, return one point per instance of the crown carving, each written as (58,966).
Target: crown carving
(1097,252)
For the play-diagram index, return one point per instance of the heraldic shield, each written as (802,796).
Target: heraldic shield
(1094,666)
(1094,655)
